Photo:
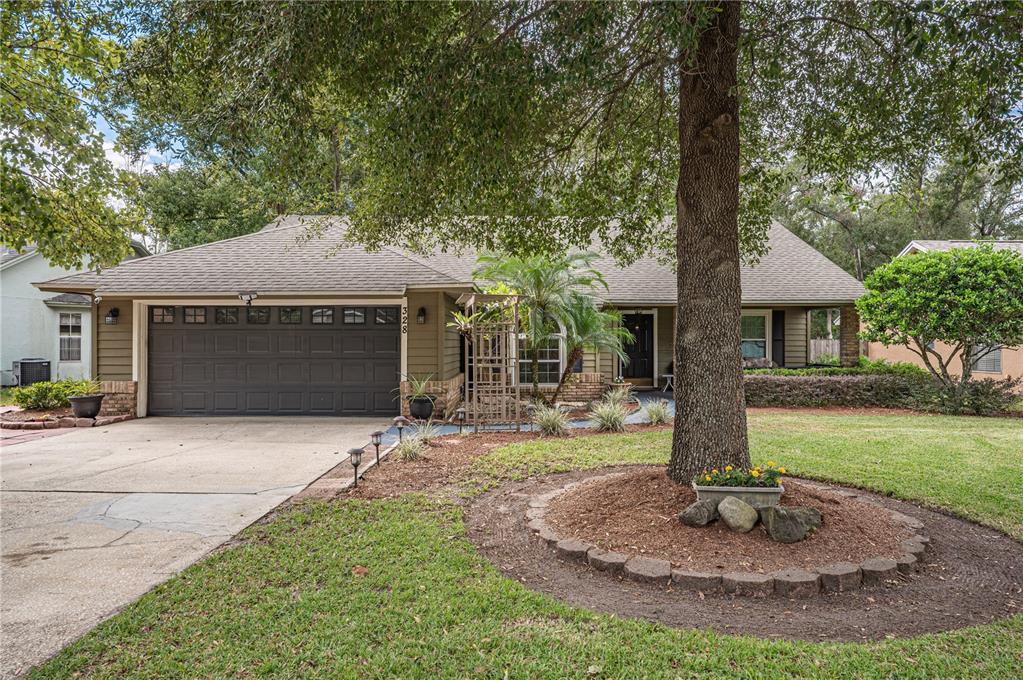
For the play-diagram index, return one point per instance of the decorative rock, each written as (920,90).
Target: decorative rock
(749,584)
(66,421)
(84,422)
(534,513)
(877,570)
(648,570)
(696,580)
(836,578)
(536,525)
(699,514)
(51,424)
(925,541)
(573,549)
(790,525)
(33,425)
(796,583)
(907,563)
(538,502)
(738,515)
(907,521)
(603,560)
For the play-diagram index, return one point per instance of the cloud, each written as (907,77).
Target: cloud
(145,163)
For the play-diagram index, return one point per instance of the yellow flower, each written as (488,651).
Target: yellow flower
(770,463)
(755,473)
(781,470)
(707,478)
(715,470)
(728,468)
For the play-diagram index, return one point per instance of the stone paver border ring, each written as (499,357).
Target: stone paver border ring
(786,583)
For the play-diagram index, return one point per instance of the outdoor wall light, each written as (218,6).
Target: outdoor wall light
(111,318)
(421,315)
(356,456)
(247,296)
(376,438)
(460,416)
(400,422)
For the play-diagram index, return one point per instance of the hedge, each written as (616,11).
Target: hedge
(884,390)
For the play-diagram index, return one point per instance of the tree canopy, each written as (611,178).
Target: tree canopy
(970,299)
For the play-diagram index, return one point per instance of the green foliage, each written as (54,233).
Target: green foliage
(550,421)
(589,327)
(196,204)
(409,449)
(657,412)
(416,388)
(967,298)
(425,433)
(619,394)
(56,59)
(52,395)
(768,476)
(865,366)
(977,397)
(608,416)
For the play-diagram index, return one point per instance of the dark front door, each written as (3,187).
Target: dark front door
(641,350)
(326,360)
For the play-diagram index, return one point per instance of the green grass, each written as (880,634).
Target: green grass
(285,602)
(970,466)
(5,396)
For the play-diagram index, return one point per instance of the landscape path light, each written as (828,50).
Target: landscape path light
(376,438)
(356,456)
(400,422)
(460,415)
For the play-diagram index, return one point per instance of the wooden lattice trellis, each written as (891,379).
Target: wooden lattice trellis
(492,394)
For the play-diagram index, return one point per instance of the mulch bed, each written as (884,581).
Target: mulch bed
(34,415)
(971,575)
(638,514)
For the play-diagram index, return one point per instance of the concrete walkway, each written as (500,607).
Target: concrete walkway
(92,519)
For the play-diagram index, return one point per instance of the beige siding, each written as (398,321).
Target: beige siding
(113,342)
(424,339)
(665,339)
(795,336)
(451,345)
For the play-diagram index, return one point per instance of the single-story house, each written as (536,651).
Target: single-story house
(278,323)
(35,324)
(998,363)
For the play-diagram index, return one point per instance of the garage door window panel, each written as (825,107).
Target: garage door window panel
(386,316)
(290,315)
(162,314)
(257,315)
(354,315)
(195,314)
(323,316)
(226,315)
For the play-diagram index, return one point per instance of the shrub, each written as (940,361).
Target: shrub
(51,395)
(657,412)
(864,367)
(883,390)
(550,421)
(620,394)
(409,448)
(426,433)
(975,397)
(609,416)
(767,476)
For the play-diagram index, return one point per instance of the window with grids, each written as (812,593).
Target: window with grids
(987,360)
(226,315)
(70,336)
(354,315)
(195,314)
(754,336)
(258,315)
(386,315)
(323,315)
(549,364)
(163,314)
(290,315)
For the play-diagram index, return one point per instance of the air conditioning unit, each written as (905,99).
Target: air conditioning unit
(29,371)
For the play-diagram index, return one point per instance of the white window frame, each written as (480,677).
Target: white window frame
(520,361)
(766,313)
(70,335)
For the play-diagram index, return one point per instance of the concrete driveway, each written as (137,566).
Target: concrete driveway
(92,519)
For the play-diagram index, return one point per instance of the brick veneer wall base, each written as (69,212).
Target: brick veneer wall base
(849,340)
(448,395)
(120,399)
(580,387)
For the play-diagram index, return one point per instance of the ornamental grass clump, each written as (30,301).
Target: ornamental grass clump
(426,433)
(550,421)
(609,416)
(657,412)
(409,449)
(767,476)
(619,394)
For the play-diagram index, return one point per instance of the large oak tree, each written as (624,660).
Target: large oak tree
(541,125)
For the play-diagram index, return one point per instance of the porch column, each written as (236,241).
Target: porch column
(849,341)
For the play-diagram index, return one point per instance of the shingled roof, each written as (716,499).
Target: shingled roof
(921,246)
(282,259)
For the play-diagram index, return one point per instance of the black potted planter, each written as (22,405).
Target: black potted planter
(421,408)
(86,406)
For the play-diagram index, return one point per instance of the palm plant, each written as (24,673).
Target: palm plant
(591,327)
(546,286)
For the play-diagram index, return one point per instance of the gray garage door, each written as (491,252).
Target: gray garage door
(329,360)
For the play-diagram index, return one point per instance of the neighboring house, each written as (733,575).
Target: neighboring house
(37,324)
(330,329)
(1001,362)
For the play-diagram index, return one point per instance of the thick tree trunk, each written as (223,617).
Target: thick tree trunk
(573,357)
(710,420)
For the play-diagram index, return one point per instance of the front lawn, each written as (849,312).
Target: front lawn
(392,588)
